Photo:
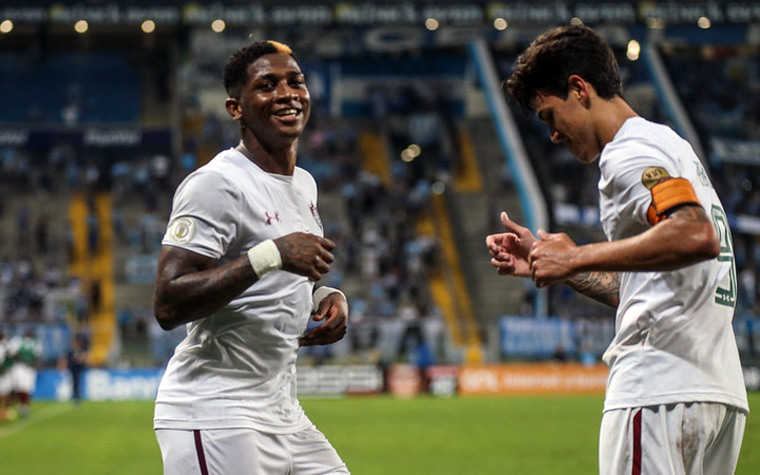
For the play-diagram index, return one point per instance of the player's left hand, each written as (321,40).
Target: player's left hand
(333,309)
(509,250)
(551,258)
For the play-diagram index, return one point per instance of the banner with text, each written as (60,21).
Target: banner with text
(538,378)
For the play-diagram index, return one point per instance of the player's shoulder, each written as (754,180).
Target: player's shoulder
(225,162)
(218,172)
(639,133)
(303,177)
(302,174)
(638,143)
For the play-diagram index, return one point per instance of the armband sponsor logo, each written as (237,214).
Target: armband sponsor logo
(182,230)
(653,176)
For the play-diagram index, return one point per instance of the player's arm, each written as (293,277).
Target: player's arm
(684,238)
(681,235)
(190,286)
(604,287)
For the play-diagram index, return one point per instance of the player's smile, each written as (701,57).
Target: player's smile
(275,100)
(288,115)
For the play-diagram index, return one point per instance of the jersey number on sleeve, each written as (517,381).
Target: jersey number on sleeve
(726,293)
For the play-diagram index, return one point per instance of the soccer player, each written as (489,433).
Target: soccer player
(243,248)
(26,351)
(6,384)
(676,401)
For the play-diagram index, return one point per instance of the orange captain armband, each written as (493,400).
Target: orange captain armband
(666,195)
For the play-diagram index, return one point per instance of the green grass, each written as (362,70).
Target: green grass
(374,435)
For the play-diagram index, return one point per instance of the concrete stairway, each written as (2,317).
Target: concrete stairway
(474,213)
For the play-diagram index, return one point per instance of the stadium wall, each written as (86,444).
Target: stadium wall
(353,380)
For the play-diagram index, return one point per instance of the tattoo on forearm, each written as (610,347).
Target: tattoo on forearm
(603,287)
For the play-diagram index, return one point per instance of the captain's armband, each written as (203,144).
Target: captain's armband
(668,194)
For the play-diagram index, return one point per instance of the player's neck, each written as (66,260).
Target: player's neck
(610,116)
(280,160)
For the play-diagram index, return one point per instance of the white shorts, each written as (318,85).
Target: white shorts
(6,383)
(24,378)
(247,452)
(674,439)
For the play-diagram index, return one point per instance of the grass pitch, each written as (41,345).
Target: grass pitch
(374,435)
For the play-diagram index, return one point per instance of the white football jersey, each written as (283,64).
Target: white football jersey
(674,339)
(236,367)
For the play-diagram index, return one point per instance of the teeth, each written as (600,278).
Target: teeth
(287,112)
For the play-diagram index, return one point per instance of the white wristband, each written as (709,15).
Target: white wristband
(321,293)
(265,257)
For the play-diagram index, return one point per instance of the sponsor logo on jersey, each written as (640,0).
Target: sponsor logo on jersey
(275,216)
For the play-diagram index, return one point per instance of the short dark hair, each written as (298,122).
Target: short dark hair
(557,54)
(235,73)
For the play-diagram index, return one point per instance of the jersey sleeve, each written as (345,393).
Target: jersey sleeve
(623,172)
(205,214)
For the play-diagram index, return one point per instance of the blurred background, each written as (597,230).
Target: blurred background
(106,106)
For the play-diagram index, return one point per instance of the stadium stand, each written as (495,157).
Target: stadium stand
(103,129)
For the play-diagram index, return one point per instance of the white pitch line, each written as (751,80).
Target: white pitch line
(45,414)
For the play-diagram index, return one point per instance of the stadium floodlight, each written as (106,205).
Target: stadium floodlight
(500,24)
(148,26)
(81,27)
(634,50)
(6,27)
(218,25)
(432,24)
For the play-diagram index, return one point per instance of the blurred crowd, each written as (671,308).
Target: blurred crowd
(381,261)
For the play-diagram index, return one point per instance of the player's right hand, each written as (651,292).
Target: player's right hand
(510,250)
(306,254)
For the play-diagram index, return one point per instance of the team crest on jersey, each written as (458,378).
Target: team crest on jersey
(182,230)
(315,214)
(653,176)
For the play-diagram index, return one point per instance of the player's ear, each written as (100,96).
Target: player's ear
(578,88)
(232,105)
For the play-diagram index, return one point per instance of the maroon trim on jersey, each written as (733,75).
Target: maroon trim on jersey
(199,452)
(636,466)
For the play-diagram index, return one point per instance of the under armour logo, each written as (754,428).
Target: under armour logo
(275,216)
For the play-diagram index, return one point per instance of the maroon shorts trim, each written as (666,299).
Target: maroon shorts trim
(199,452)
(636,465)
